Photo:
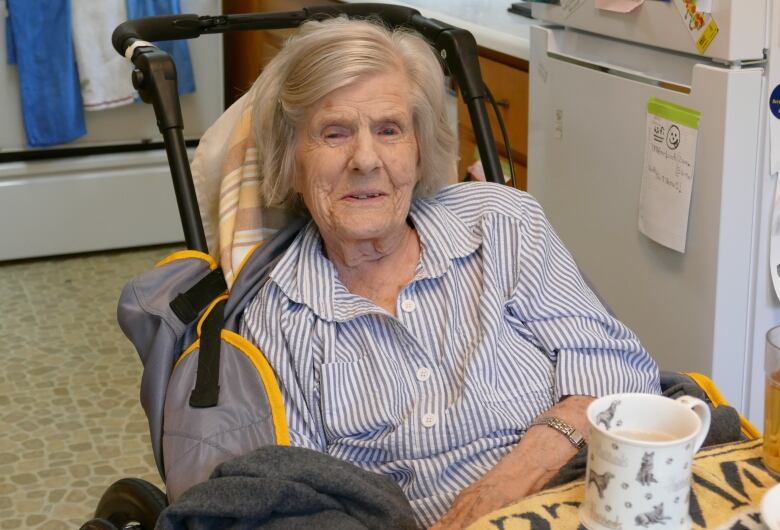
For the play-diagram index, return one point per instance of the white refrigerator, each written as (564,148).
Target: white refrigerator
(105,190)
(592,74)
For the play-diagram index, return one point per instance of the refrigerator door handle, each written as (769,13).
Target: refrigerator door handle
(623,72)
(646,65)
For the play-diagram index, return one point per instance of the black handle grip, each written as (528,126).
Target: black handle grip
(167,27)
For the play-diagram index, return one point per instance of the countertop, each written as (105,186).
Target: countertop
(489,21)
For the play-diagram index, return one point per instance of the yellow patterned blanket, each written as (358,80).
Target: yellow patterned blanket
(225,175)
(728,483)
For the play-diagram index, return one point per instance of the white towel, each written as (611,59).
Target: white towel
(103,73)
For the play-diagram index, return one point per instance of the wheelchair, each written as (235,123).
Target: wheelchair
(132,503)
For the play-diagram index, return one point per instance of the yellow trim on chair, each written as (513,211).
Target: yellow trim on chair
(266,374)
(207,311)
(748,429)
(191,348)
(186,254)
(269,382)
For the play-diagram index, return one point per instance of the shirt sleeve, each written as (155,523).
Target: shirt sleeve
(263,323)
(595,354)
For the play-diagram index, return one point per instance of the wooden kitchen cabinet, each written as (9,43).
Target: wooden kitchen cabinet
(246,52)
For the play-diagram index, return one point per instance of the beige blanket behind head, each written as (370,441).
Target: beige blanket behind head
(226,178)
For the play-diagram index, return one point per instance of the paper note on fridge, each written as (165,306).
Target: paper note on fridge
(667,177)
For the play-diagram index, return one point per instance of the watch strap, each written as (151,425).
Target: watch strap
(574,436)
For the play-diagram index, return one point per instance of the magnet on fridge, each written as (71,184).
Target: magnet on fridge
(774,102)
(701,26)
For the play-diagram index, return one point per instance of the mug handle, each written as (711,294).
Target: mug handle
(702,410)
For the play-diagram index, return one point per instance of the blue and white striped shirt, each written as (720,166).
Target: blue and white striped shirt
(496,326)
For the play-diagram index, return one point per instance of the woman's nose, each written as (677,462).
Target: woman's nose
(365,158)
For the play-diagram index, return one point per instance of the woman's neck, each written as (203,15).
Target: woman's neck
(377,269)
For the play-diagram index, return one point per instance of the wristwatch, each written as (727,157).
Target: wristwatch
(574,436)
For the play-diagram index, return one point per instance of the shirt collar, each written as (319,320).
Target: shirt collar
(307,277)
(444,237)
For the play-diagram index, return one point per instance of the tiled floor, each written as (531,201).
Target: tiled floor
(70,421)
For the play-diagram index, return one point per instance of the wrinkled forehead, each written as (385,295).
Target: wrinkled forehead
(371,96)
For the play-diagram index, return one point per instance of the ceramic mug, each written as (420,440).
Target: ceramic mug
(639,461)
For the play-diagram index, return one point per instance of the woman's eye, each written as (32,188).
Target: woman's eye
(334,133)
(389,130)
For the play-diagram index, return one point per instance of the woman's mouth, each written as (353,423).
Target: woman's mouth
(363,196)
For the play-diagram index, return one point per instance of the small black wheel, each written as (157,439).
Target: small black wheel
(98,524)
(132,503)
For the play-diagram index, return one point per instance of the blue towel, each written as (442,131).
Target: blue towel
(10,49)
(175,48)
(43,50)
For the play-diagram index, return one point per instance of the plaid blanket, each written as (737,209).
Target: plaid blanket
(225,174)
(728,483)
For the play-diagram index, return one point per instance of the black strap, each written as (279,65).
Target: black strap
(187,306)
(206,389)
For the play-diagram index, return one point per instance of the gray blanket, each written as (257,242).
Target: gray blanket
(291,488)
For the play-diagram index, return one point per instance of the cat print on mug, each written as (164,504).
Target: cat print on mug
(645,475)
(607,415)
(656,516)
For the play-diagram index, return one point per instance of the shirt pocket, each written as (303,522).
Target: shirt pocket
(360,399)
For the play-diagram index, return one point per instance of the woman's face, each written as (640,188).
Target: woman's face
(357,159)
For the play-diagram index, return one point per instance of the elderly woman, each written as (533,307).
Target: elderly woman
(415,331)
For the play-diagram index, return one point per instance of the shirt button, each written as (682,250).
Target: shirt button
(429,420)
(408,305)
(423,374)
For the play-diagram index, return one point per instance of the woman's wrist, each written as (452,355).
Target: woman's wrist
(572,435)
(573,411)
(543,449)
